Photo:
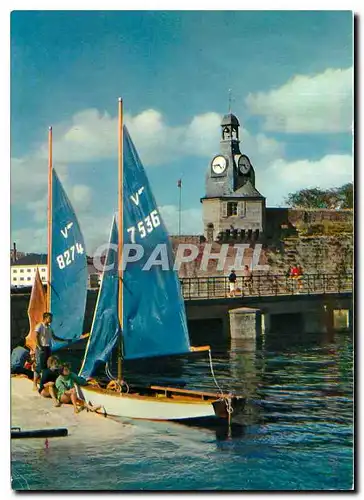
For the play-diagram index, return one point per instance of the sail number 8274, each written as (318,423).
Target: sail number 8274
(68,256)
(145,226)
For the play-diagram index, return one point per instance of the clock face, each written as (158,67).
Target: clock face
(219,164)
(244,164)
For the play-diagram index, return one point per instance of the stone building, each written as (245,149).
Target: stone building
(233,209)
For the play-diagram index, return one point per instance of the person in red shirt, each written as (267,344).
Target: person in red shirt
(296,274)
(295,271)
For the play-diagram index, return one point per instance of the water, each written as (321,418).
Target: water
(296,432)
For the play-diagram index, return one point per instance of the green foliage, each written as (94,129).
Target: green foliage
(335,198)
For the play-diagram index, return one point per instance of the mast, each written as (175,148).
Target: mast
(179,184)
(120,234)
(49,242)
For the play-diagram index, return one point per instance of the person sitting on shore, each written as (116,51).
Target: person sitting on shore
(20,356)
(66,389)
(48,379)
(30,363)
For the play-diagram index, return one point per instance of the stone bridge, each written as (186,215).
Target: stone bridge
(316,303)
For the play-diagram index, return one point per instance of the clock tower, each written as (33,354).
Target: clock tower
(233,209)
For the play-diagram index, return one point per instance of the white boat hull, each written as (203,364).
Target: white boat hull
(147,408)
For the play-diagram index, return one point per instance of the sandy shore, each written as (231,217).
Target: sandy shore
(30,411)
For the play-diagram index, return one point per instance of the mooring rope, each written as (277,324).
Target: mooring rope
(227,399)
(213,374)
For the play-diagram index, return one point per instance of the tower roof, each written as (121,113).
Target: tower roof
(230,119)
(247,190)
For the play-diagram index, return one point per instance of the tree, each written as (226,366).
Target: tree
(346,195)
(335,198)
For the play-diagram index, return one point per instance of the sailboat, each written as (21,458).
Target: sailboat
(67,268)
(140,310)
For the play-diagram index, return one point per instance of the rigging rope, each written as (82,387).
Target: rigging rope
(112,378)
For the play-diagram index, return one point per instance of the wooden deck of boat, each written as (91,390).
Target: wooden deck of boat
(188,392)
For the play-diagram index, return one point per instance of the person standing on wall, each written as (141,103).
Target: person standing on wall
(299,277)
(248,279)
(296,275)
(232,283)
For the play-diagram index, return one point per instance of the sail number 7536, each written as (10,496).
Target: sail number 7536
(145,226)
(68,256)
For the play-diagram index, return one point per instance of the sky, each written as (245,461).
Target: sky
(291,75)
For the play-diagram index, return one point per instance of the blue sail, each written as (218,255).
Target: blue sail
(105,328)
(68,290)
(154,319)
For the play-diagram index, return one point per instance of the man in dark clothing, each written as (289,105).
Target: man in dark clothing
(232,283)
(19,356)
(48,379)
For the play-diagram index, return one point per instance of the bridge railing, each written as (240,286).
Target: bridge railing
(266,285)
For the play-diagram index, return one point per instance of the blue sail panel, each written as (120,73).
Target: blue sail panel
(68,290)
(105,329)
(154,319)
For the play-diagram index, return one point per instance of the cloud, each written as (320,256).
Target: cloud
(282,177)
(261,149)
(29,177)
(30,239)
(81,196)
(95,229)
(38,209)
(320,103)
(191,219)
(91,136)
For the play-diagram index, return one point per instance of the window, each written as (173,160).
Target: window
(15,270)
(232,209)
(43,270)
(21,270)
(21,279)
(28,279)
(15,279)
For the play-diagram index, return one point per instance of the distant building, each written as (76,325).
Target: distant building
(23,271)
